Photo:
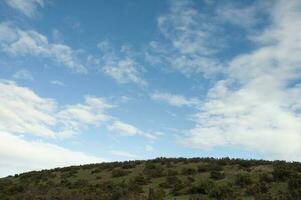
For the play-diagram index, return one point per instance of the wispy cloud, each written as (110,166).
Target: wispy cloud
(126,129)
(19,42)
(36,155)
(149,148)
(24,112)
(188,45)
(257,107)
(23,74)
(245,16)
(28,7)
(57,82)
(174,100)
(123,128)
(121,65)
(76,117)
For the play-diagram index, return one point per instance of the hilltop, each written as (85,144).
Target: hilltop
(158,179)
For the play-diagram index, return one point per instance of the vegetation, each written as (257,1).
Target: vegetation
(160,179)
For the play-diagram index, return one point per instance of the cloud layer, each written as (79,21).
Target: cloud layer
(19,155)
(121,66)
(28,7)
(17,42)
(187,45)
(24,115)
(258,106)
(174,100)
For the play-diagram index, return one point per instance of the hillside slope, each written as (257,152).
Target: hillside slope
(161,178)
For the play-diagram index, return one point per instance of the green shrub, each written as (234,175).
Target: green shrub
(203,168)
(153,170)
(140,179)
(243,180)
(294,186)
(170,181)
(266,177)
(222,192)
(119,173)
(178,188)
(188,171)
(202,187)
(258,188)
(216,175)
(171,172)
(156,194)
(281,171)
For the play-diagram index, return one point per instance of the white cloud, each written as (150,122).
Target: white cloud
(19,155)
(123,71)
(27,7)
(174,100)
(19,42)
(57,82)
(123,154)
(123,128)
(149,148)
(76,117)
(121,66)
(246,16)
(258,106)
(185,28)
(125,99)
(23,74)
(24,112)
(188,37)
(126,129)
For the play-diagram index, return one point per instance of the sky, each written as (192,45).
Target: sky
(98,81)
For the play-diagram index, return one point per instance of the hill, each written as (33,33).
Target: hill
(158,179)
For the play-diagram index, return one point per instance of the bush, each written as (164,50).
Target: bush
(119,173)
(156,194)
(203,168)
(266,177)
(140,179)
(177,188)
(128,165)
(81,183)
(281,171)
(258,188)
(153,170)
(216,175)
(171,172)
(222,192)
(265,196)
(294,186)
(190,179)
(215,167)
(170,181)
(188,171)
(198,197)
(202,187)
(243,180)
(97,170)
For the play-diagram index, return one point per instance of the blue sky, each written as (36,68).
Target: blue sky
(92,81)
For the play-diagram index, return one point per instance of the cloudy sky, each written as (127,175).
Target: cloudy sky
(92,81)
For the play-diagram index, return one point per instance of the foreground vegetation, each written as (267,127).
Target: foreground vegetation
(161,178)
